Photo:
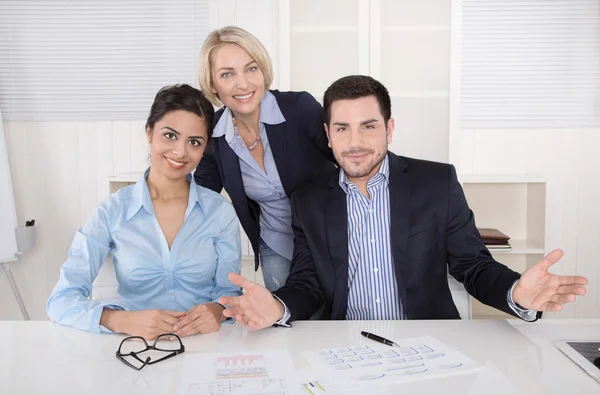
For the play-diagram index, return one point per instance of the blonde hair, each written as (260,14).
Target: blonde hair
(231,35)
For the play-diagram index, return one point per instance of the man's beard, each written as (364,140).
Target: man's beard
(367,167)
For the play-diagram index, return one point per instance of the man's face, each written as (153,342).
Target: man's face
(359,136)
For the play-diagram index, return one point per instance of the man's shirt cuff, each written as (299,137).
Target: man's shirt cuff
(525,314)
(286,315)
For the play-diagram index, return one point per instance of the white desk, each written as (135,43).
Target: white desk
(518,358)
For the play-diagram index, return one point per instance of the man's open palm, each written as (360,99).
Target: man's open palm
(537,289)
(257,308)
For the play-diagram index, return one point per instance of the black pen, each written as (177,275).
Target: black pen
(379,339)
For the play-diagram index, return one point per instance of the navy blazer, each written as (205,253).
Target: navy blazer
(300,150)
(432,230)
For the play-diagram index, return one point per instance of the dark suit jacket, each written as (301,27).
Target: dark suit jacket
(432,232)
(299,147)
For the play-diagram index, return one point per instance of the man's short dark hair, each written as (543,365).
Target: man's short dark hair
(355,87)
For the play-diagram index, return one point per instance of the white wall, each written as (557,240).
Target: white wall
(60,173)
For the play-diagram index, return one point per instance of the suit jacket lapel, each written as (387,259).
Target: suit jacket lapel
(336,218)
(232,175)
(399,223)
(277,135)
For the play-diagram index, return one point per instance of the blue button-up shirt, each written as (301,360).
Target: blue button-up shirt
(150,275)
(264,188)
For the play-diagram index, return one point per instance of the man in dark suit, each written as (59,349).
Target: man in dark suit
(376,239)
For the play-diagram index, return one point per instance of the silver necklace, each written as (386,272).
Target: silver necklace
(251,146)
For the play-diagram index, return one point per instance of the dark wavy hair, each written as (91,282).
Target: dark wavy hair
(181,97)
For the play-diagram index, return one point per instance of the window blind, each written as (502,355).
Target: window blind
(95,59)
(530,63)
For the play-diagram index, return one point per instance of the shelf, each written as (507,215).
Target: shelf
(501,179)
(523,247)
(126,177)
(325,29)
(424,94)
(318,95)
(421,28)
(354,28)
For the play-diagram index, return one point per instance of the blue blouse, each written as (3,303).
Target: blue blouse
(205,250)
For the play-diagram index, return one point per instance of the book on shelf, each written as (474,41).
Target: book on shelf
(495,239)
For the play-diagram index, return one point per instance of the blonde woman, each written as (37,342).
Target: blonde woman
(266,143)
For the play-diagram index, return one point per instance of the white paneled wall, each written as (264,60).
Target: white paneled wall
(410,55)
(60,172)
(569,160)
(404,44)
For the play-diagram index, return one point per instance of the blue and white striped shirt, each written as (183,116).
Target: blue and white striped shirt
(372,287)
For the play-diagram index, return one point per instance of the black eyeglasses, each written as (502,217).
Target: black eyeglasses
(131,347)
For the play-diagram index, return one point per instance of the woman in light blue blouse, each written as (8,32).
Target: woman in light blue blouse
(173,243)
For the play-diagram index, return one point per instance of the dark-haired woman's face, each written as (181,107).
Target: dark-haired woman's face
(177,143)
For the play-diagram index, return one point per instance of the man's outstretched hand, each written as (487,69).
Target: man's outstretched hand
(257,308)
(537,289)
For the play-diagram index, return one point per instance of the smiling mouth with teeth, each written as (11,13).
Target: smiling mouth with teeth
(175,163)
(249,95)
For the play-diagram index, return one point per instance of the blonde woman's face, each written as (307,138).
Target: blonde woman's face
(237,79)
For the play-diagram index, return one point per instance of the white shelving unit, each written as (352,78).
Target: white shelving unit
(119,181)
(336,38)
(515,205)
(131,178)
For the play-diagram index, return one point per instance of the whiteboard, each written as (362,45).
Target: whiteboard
(8,213)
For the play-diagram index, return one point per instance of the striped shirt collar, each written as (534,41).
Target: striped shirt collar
(382,175)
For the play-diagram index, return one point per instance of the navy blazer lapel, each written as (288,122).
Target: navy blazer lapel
(232,175)
(230,164)
(277,135)
(399,222)
(336,219)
